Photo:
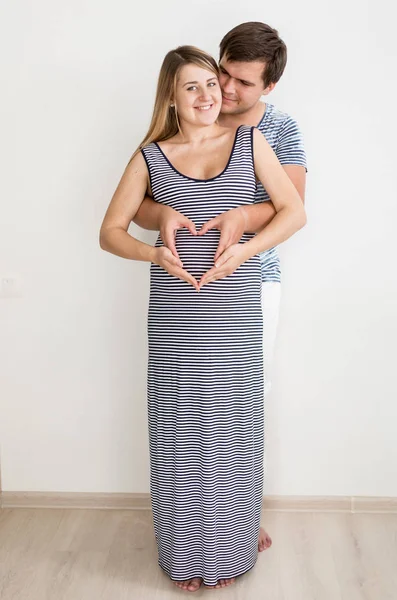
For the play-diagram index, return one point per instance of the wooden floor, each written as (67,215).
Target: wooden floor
(57,554)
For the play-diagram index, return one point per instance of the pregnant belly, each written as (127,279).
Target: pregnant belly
(197,255)
(196,252)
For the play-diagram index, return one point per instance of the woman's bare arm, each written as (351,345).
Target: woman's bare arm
(126,200)
(290,215)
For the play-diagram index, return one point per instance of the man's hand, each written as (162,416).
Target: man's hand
(232,224)
(230,260)
(170,221)
(173,265)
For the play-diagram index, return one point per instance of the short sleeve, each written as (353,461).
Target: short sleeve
(290,148)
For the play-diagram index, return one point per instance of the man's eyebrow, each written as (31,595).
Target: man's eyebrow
(243,80)
(191,82)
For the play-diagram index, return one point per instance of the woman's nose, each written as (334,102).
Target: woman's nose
(205,95)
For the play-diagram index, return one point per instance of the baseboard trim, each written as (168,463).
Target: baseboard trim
(345,504)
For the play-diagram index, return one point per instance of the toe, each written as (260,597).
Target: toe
(194,584)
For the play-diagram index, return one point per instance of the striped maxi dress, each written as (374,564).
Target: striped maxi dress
(205,383)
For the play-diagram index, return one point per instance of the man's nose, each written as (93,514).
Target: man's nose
(228,86)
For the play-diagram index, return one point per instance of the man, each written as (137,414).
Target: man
(252,60)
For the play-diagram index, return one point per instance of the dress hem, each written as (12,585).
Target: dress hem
(201,577)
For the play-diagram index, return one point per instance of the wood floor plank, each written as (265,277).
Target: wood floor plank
(85,554)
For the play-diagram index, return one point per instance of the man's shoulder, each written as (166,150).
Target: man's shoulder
(284,136)
(275,119)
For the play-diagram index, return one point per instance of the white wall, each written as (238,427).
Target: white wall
(81,81)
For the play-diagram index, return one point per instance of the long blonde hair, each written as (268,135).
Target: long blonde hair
(165,123)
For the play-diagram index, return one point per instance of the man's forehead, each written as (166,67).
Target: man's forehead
(242,70)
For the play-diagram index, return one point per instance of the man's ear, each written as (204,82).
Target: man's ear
(269,89)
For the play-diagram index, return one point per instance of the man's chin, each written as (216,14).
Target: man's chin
(228,108)
(231,110)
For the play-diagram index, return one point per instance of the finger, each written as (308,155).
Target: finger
(219,262)
(217,273)
(169,241)
(212,224)
(188,224)
(185,276)
(224,243)
(173,261)
(207,276)
(209,280)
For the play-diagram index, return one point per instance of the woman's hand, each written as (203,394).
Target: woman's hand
(232,224)
(174,266)
(170,221)
(230,260)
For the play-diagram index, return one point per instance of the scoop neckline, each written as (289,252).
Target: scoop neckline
(194,178)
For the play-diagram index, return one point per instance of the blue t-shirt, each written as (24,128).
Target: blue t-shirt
(284,136)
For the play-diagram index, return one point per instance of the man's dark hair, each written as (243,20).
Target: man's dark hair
(255,41)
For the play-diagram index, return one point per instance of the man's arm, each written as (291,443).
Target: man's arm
(152,214)
(251,219)
(233,223)
(290,151)
(290,215)
(148,215)
(155,216)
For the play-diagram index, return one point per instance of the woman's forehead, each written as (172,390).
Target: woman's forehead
(193,72)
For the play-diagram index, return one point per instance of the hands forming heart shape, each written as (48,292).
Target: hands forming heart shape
(229,255)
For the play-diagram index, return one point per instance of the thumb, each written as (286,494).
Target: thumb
(222,259)
(169,242)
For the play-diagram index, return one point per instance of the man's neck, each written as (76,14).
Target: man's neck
(251,117)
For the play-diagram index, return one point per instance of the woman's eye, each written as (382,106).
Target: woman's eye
(212,83)
(193,87)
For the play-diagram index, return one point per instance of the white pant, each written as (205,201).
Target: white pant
(271,292)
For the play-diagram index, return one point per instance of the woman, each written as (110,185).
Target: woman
(205,374)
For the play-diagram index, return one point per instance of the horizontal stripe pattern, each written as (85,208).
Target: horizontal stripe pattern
(205,383)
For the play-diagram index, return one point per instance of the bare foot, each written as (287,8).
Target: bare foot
(264,540)
(191,585)
(222,583)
